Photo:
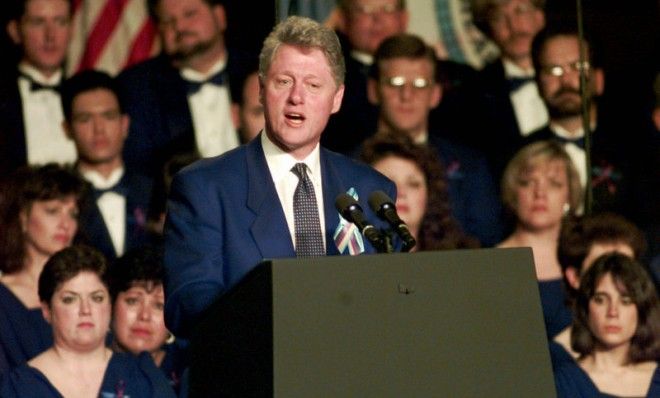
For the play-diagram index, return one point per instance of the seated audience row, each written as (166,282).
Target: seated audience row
(75,300)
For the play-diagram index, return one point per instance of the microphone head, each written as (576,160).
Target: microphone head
(345,205)
(379,202)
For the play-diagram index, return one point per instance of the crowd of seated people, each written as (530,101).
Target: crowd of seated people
(117,141)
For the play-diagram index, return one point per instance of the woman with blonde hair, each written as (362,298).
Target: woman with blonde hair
(540,188)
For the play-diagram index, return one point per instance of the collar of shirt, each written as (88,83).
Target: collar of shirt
(513,70)
(100,182)
(196,76)
(422,138)
(562,132)
(362,57)
(38,77)
(280,162)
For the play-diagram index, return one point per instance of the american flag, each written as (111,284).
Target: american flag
(110,35)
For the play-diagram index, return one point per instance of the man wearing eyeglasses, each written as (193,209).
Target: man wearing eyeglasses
(404,84)
(556,57)
(510,104)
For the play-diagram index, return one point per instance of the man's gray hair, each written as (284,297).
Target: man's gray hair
(303,32)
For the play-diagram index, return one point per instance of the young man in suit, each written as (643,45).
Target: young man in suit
(114,218)
(179,101)
(227,214)
(30,109)
(405,87)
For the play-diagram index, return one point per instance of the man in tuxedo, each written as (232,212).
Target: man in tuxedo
(273,197)
(405,86)
(179,101)
(510,106)
(556,55)
(114,216)
(363,25)
(30,109)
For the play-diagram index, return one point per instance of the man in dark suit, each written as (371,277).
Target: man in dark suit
(405,86)
(273,197)
(114,215)
(614,156)
(510,106)
(30,109)
(180,100)
(363,25)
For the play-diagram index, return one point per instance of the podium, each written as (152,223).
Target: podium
(465,323)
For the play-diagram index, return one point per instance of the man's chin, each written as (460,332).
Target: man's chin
(564,113)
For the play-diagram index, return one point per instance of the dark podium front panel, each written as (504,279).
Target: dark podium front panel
(462,323)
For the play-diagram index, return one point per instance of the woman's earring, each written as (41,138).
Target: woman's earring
(566,208)
(170,338)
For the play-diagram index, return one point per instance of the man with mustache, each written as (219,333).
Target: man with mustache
(180,100)
(556,58)
(509,101)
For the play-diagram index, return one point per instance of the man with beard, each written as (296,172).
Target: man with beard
(510,104)
(556,57)
(180,100)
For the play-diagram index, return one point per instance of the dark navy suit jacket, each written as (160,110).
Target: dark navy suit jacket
(13,151)
(224,217)
(500,135)
(154,95)
(137,190)
(474,198)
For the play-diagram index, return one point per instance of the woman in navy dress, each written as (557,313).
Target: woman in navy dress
(75,300)
(616,333)
(422,195)
(581,242)
(38,217)
(138,324)
(540,187)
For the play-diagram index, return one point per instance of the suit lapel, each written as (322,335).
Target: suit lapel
(269,223)
(174,104)
(14,127)
(332,186)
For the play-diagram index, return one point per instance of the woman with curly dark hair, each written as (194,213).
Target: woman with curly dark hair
(422,200)
(38,217)
(616,332)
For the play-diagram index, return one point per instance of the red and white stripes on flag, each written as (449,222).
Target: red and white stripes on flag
(110,35)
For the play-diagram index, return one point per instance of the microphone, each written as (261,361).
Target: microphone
(384,207)
(350,209)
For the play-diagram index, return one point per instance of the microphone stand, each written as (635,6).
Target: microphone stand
(384,242)
(586,120)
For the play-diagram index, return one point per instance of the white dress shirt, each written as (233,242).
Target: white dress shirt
(280,164)
(529,108)
(112,206)
(576,153)
(45,139)
(210,109)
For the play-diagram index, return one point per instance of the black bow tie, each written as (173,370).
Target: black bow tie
(36,86)
(218,79)
(564,140)
(118,188)
(515,83)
